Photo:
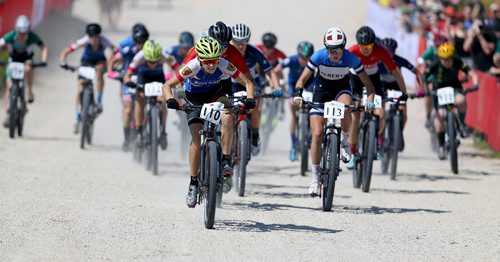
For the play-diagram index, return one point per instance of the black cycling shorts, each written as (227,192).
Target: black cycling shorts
(357,85)
(323,95)
(193,115)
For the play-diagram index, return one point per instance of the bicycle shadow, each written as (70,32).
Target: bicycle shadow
(375,210)
(255,226)
(256,206)
(270,186)
(286,195)
(51,138)
(404,191)
(432,178)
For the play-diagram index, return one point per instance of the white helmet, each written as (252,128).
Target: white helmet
(334,38)
(241,32)
(22,24)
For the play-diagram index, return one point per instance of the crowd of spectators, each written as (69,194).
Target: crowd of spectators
(473,27)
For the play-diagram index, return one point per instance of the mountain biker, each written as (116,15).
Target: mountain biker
(296,64)
(203,76)
(331,83)
(253,58)
(18,43)
(148,64)
(223,33)
(444,73)
(94,45)
(179,51)
(268,48)
(371,54)
(389,82)
(124,57)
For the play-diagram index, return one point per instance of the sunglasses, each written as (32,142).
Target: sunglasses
(447,60)
(336,51)
(368,46)
(240,42)
(209,61)
(223,46)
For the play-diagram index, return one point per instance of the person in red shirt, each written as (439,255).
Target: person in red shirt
(223,33)
(370,54)
(268,48)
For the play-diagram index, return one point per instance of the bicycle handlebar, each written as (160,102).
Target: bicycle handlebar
(463,91)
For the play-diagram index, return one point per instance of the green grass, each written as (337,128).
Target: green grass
(480,142)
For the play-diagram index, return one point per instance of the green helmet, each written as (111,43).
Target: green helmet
(208,48)
(152,50)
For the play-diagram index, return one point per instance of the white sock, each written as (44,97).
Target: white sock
(315,172)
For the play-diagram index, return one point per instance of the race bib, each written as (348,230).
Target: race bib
(394,94)
(307,96)
(86,72)
(240,94)
(334,110)
(153,89)
(16,70)
(377,101)
(212,112)
(446,96)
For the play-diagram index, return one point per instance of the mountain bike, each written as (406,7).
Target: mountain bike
(393,134)
(269,119)
(303,133)
(366,149)
(210,175)
(445,98)
(153,127)
(330,147)
(17,103)
(88,107)
(241,150)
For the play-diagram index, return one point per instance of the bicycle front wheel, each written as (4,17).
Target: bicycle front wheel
(452,141)
(210,183)
(155,127)
(369,152)
(304,143)
(244,149)
(396,142)
(333,170)
(84,115)
(13,113)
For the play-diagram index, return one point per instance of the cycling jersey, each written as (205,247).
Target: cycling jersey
(20,52)
(443,77)
(333,74)
(146,74)
(273,55)
(128,41)
(139,60)
(232,55)
(387,76)
(174,53)
(294,72)
(199,81)
(370,62)
(90,54)
(254,58)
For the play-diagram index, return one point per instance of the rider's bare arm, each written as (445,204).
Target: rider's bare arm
(399,79)
(243,79)
(370,89)
(167,87)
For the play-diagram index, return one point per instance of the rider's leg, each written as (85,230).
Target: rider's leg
(293,135)
(354,132)
(100,68)
(139,112)
(461,106)
(127,114)
(439,126)
(227,132)
(317,123)
(255,123)
(405,116)
(29,79)
(381,125)
(6,101)
(194,148)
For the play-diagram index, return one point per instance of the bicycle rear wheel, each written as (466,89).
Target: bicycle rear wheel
(333,169)
(210,183)
(452,141)
(369,151)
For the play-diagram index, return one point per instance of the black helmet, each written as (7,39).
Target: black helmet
(305,49)
(93,29)
(269,40)
(390,44)
(138,26)
(186,39)
(365,36)
(221,32)
(141,36)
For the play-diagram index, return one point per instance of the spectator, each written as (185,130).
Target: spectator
(480,42)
